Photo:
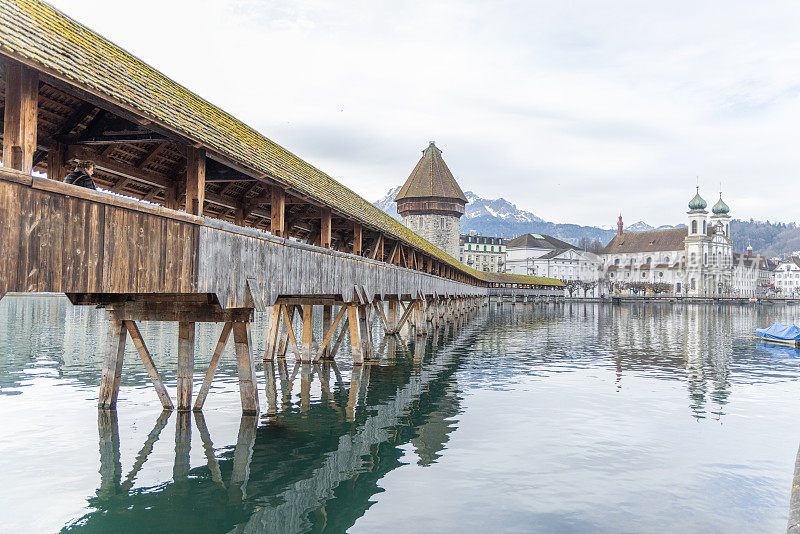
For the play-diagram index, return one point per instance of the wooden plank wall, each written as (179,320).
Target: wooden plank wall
(56,237)
(60,238)
(230,255)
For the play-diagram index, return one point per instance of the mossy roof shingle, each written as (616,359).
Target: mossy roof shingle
(34,31)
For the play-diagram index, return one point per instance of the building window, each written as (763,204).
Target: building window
(616,261)
(705,258)
(692,283)
(644,275)
(694,227)
(649,259)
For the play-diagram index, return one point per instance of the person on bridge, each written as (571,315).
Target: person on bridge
(82,175)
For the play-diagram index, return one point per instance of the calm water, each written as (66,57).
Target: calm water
(568,418)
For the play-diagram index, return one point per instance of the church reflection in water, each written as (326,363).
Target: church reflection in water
(301,466)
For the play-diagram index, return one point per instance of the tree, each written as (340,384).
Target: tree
(587,286)
(571,286)
(596,247)
(661,287)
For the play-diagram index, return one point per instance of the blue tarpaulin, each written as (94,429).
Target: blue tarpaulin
(788,332)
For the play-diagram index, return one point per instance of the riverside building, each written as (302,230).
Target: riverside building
(483,253)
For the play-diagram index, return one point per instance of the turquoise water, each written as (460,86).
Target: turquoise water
(542,418)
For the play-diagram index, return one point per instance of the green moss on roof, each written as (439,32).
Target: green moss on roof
(38,33)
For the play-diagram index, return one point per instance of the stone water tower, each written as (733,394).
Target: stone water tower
(431,203)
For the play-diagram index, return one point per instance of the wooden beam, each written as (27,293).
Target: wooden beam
(278,212)
(325,228)
(212,367)
(117,167)
(195,180)
(378,248)
(151,155)
(329,334)
(149,364)
(357,239)
(288,322)
(20,116)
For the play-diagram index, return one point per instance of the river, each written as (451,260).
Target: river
(569,417)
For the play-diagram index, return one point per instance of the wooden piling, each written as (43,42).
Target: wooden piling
(248,386)
(185,364)
(112,365)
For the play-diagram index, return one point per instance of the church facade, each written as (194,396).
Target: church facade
(695,261)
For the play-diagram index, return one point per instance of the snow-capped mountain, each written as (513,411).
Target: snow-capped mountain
(500,208)
(387,204)
(641,226)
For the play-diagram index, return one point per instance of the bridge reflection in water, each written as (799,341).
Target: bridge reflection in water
(292,470)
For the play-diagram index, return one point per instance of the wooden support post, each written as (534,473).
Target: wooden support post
(325,228)
(272,332)
(308,333)
(306,373)
(239,216)
(248,387)
(171,196)
(112,365)
(149,365)
(327,317)
(421,323)
(185,365)
(357,239)
(366,331)
(353,312)
(20,116)
(212,367)
(195,180)
(57,161)
(271,390)
(391,318)
(277,212)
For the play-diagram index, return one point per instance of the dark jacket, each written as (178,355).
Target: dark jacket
(80,178)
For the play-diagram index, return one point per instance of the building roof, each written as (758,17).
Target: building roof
(697,203)
(538,241)
(36,33)
(431,178)
(720,208)
(652,241)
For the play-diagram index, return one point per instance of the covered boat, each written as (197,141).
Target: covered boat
(780,333)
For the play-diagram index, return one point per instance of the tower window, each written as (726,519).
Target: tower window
(694,227)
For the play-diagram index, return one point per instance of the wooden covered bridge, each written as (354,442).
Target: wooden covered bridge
(208,220)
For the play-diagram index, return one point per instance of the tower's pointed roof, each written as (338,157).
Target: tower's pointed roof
(431,178)
(720,208)
(697,203)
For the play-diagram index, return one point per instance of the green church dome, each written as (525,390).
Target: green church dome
(720,208)
(697,203)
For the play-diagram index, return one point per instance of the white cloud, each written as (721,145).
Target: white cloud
(575,111)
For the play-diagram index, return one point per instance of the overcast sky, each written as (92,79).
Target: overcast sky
(576,110)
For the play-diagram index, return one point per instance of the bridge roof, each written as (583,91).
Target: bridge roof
(37,34)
